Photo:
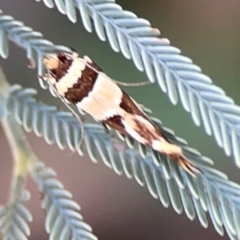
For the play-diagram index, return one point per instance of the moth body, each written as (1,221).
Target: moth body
(81,82)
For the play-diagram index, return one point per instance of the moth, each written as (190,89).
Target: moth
(82,82)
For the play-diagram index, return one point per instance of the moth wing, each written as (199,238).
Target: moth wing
(130,106)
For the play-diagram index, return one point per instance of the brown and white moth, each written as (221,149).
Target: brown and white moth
(83,83)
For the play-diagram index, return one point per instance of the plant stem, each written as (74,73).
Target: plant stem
(21,151)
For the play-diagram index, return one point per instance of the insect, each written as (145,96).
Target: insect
(82,82)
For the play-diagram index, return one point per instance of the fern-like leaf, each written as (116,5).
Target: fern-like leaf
(211,191)
(63,219)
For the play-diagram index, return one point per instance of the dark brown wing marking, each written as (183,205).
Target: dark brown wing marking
(84,84)
(115,122)
(130,106)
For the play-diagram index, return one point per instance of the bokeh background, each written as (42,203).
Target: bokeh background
(117,208)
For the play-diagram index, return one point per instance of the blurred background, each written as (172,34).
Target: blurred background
(206,31)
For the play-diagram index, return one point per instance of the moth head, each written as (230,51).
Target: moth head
(51,62)
(57,65)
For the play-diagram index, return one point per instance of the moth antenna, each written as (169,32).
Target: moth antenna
(132,84)
(80,121)
(76,115)
(73,112)
(51,75)
(118,82)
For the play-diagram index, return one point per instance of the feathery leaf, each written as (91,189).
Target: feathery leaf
(63,220)
(211,191)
